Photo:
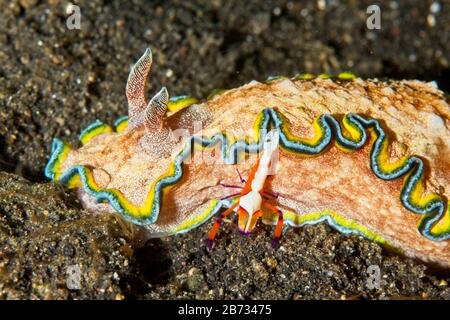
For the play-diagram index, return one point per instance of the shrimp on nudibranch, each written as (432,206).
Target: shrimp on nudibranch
(254,195)
(369,157)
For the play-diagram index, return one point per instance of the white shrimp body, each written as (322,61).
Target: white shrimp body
(252,201)
(270,146)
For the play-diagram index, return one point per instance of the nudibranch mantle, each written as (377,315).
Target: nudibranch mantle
(367,156)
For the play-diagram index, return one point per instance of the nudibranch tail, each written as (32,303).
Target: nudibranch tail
(432,206)
(435,223)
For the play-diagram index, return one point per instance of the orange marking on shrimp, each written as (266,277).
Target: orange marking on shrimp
(254,195)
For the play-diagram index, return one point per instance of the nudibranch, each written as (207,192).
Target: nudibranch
(367,156)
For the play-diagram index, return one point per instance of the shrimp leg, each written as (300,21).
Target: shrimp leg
(279,227)
(212,234)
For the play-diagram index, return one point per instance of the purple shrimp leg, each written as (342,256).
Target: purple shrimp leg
(240,177)
(230,196)
(230,186)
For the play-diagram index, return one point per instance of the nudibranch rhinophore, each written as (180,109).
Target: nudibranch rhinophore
(367,156)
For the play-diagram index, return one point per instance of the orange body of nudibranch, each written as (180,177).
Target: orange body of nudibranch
(254,195)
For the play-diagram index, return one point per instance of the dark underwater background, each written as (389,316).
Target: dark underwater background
(55,81)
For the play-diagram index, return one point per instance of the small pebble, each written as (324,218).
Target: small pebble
(277,11)
(321,4)
(169,73)
(431,20)
(435,7)
(442,283)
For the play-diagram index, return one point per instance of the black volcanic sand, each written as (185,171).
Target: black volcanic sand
(55,81)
